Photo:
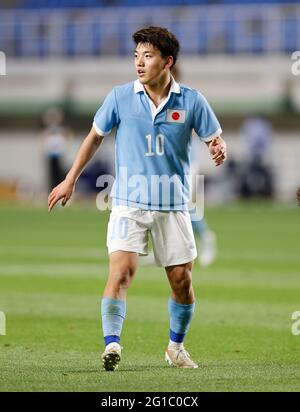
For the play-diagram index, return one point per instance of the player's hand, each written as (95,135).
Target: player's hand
(298,196)
(218,150)
(62,191)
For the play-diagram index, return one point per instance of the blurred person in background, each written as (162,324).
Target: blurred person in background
(55,138)
(257,133)
(257,178)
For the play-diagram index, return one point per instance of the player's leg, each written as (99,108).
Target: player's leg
(181,309)
(122,267)
(174,248)
(180,279)
(126,238)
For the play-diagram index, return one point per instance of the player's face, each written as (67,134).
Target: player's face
(150,66)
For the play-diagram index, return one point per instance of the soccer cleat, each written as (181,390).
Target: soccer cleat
(180,358)
(111,357)
(208,248)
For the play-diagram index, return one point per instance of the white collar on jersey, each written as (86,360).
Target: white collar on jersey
(175,88)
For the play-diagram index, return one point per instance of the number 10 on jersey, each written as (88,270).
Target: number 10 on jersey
(159,145)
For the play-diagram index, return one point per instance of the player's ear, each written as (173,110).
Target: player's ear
(169,62)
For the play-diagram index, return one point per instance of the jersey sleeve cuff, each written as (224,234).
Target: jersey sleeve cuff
(212,136)
(99,131)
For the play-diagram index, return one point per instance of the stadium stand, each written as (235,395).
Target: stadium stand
(58,4)
(208,29)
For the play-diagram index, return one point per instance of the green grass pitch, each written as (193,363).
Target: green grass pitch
(52,272)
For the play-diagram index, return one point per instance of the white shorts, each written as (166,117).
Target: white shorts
(171,232)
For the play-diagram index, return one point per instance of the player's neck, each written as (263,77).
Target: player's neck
(160,90)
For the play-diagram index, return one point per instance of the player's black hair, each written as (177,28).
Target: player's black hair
(160,38)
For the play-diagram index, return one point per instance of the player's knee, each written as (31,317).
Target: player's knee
(182,282)
(122,276)
(185,287)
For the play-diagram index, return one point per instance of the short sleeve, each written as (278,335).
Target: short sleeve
(106,117)
(205,123)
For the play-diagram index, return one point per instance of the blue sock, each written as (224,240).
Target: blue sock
(180,319)
(113,313)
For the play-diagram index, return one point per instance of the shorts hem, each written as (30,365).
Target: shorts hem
(126,249)
(178,261)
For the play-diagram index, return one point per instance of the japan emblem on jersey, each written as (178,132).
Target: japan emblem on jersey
(176,116)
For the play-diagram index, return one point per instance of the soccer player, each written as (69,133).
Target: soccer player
(154,117)
(205,238)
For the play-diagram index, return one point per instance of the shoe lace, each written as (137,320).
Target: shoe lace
(183,353)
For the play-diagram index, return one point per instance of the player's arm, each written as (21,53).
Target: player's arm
(66,188)
(218,149)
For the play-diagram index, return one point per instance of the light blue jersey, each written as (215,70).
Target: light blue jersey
(152,152)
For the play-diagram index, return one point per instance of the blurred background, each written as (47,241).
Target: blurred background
(63,57)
